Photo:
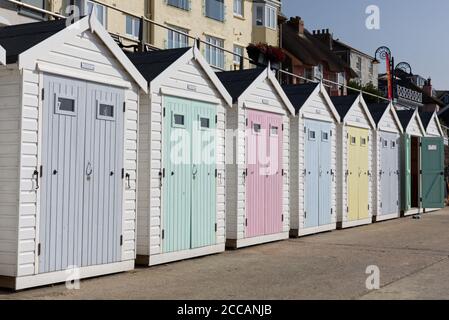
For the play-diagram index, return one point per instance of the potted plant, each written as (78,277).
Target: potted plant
(263,53)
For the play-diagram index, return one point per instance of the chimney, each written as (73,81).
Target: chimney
(297,23)
(427,88)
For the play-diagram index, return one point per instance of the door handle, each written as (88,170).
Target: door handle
(195,171)
(89,170)
(128,180)
(36,176)
(55,172)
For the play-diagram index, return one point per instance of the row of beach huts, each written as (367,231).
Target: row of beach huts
(110,158)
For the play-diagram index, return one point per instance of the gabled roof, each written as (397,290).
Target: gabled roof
(236,82)
(405,116)
(153,63)
(19,38)
(377,110)
(24,43)
(426,117)
(310,51)
(299,93)
(158,66)
(344,103)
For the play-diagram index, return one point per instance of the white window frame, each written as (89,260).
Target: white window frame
(105,10)
(236,58)
(239,8)
(103,117)
(177,38)
(135,26)
(269,16)
(215,57)
(57,110)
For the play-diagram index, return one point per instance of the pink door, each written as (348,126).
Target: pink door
(273,184)
(264,177)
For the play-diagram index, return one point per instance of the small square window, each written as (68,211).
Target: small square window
(257,127)
(353,140)
(274,131)
(393,144)
(65,104)
(106,110)
(363,141)
(178,120)
(205,123)
(385,143)
(325,136)
(312,135)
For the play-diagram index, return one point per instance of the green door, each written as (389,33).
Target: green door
(177,172)
(406,177)
(203,176)
(189,186)
(432,166)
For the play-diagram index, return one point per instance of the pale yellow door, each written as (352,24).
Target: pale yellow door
(363,186)
(352,174)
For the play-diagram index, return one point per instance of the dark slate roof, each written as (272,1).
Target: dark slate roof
(299,93)
(152,63)
(311,51)
(236,82)
(377,110)
(343,104)
(19,38)
(425,118)
(405,116)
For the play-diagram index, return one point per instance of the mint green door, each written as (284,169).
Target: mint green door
(203,175)
(189,190)
(432,166)
(406,173)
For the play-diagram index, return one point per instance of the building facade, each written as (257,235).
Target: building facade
(230,24)
(360,62)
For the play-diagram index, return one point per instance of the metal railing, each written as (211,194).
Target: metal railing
(141,45)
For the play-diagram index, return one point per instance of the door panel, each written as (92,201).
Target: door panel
(62,184)
(363,163)
(177,186)
(325,175)
(406,177)
(273,175)
(432,161)
(203,175)
(255,185)
(384,173)
(311,183)
(353,172)
(102,215)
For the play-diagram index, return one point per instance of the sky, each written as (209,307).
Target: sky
(416,31)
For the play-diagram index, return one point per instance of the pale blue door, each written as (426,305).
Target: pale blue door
(389,173)
(325,174)
(311,173)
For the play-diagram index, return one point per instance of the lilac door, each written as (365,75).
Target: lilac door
(264,176)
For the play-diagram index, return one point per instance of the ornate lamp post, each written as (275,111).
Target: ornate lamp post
(384,53)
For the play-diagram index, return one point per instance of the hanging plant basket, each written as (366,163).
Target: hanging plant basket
(263,53)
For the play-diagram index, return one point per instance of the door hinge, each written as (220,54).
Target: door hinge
(121,240)
(397,202)
(305,214)
(163,173)
(216,227)
(246,121)
(381,204)
(163,112)
(420,171)
(123,173)
(330,133)
(124,106)
(282,127)
(216,173)
(420,199)
(332,211)
(305,130)
(246,222)
(368,207)
(282,218)
(38,249)
(163,234)
(216,119)
(347,209)
(43,94)
(41,173)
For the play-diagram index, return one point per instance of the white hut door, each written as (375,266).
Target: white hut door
(103,163)
(81,189)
